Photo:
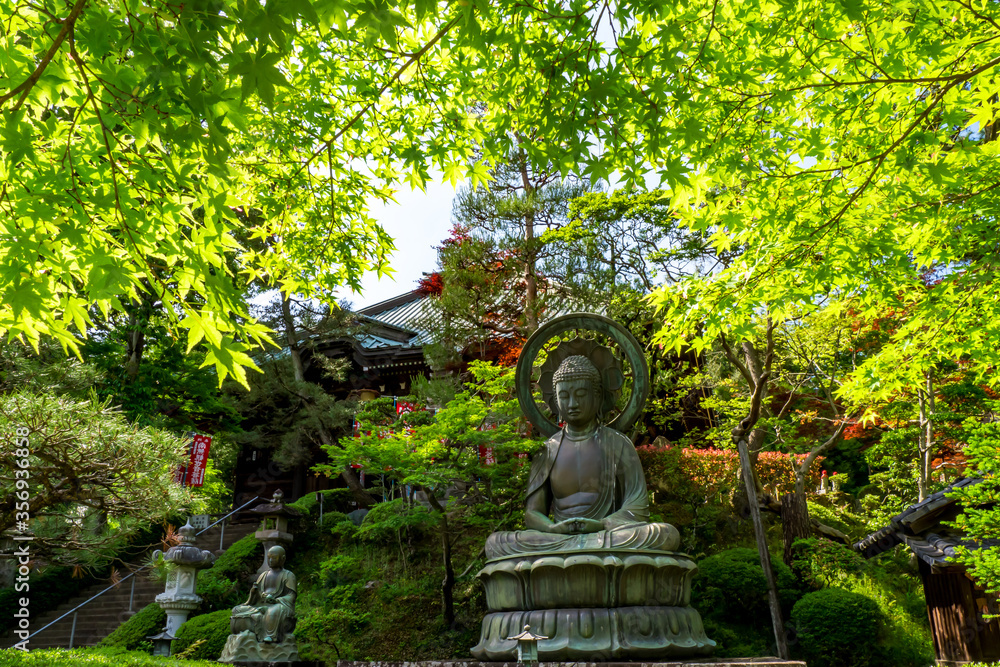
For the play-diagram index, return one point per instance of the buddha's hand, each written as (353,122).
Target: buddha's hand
(577,526)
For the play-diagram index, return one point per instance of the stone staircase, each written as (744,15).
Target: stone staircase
(99,618)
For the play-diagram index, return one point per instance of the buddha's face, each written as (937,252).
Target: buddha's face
(578,402)
(276,558)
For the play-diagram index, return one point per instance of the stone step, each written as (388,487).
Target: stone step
(100,617)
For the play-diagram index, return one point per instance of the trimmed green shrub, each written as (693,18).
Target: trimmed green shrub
(150,620)
(334,500)
(837,628)
(89,657)
(739,641)
(239,560)
(731,587)
(213,628)
(222,584)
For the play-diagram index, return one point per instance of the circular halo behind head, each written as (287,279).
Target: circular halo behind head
(612,377)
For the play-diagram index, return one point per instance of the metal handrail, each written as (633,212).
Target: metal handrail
(128,576)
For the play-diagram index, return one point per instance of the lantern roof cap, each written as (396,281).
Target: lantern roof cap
(277,507)
(527,634)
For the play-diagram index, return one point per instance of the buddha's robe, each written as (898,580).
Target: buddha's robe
(267,619)
(621,505)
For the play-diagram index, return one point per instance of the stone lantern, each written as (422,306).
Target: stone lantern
(274,525)
(180,598)
(161,643)
(527,646)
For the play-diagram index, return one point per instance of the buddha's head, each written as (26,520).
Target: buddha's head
(578,392)
(276,557)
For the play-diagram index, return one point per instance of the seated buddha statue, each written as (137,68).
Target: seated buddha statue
(269,612)
(586,488)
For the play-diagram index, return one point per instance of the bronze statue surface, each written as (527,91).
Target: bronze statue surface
(588,478)
(590,571)
(262,626)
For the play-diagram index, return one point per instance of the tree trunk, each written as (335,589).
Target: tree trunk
(742,447)
(448,583)
(757,370)
(795,522)
(136,345)
(530,282)
(765,556)
(925,439)
(756,376)
(292,339)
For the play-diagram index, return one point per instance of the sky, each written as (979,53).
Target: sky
(418,222)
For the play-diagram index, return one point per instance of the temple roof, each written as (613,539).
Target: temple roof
(411,312)
(922,528)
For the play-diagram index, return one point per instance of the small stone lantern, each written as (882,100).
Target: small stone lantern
(527,646)
(161,643)
(180,598)
(274,525)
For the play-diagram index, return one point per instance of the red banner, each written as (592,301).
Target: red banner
(180,474)
(199,460)
(486,455)
(402,407)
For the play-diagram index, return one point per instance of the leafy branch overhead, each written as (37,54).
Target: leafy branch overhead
(843,152)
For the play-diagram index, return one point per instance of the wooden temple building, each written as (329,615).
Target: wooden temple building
(957,608)
(382,361)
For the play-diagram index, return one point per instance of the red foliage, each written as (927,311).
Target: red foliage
(459,235)
(431,284)
(702,473)
(862,430)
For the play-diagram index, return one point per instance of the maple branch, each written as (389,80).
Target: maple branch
(29,83)
(735,361)
(365,109)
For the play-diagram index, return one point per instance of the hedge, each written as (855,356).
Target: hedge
(150,620)
(731,587)
(838,628)
(221,584)
(213,628)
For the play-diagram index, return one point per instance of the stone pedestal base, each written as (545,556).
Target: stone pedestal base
(177,609)
(629,633)
(613,604)
(244,648)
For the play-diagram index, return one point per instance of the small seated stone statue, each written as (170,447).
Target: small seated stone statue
(262,626)
(588,477)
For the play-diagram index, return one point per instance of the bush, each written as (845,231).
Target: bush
(150,620)
(731,587)
(221,584)
(89,657)
(837,628)
(739,641)
(838,517)
(213,628)
(703,473)
(334,500)
(819,561)
(239,560)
